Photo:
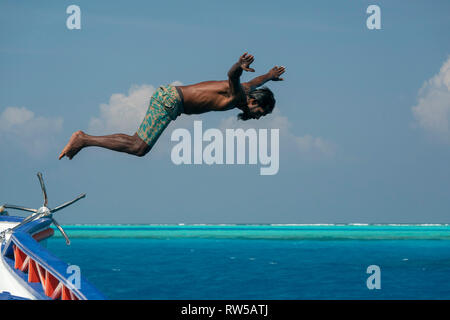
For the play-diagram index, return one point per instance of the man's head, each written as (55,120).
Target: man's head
(259,103)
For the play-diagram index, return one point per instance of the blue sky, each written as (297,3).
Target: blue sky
(363,114)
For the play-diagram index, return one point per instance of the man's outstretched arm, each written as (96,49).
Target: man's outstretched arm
(273,74)
(235,72)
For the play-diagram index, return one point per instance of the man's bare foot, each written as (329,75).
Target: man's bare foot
(74,145)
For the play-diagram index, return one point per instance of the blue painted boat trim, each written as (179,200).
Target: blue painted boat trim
(24,241)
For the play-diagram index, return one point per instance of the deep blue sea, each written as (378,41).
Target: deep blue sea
(260,261)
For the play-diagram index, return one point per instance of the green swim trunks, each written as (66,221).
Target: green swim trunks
(166,105)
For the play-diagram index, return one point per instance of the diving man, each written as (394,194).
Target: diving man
(168,102)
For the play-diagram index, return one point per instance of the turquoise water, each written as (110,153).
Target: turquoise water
(260,262)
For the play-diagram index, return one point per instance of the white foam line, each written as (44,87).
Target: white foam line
(262,225)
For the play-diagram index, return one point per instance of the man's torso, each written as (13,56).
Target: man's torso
(210,96)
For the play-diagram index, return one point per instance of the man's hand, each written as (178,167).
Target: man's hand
(245,61)
(276,72)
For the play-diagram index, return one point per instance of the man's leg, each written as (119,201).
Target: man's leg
(117,142)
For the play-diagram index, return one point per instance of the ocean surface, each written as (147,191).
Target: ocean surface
(260,261)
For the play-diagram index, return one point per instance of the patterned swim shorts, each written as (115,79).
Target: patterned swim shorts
(165,105)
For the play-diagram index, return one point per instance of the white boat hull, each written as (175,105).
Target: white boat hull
(8,282)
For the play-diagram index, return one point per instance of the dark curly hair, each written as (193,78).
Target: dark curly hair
(265,99)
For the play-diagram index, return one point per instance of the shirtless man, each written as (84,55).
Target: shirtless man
(168,102)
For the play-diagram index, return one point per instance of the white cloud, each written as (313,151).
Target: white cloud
(432,111)
(35,134)
(123,113)
(309,144)
(305,145)
(177,83)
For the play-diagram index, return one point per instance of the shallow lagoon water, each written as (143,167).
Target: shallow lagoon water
(260,261)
